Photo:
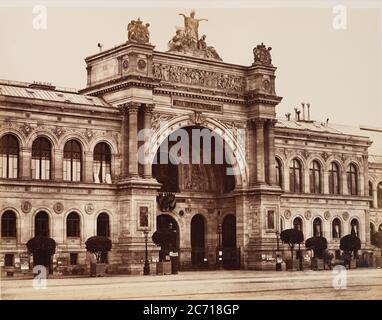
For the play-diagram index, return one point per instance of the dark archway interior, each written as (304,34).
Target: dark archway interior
(197,240)
(199,177)
(229,232)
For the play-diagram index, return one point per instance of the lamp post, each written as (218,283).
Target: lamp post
(146,268)
(220,252)
(278,239)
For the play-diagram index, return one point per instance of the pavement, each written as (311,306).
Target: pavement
(239,284)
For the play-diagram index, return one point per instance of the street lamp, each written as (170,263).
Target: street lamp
(220,252)
(146,268)
(278,239)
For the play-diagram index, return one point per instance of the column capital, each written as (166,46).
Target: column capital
(148,107)
(129,107)
(259,122)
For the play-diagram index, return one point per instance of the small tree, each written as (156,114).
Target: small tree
(164,237)
(41,246)
(98,245)
(350,244)
(292,237)
(318,245)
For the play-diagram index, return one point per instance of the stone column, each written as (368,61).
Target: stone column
(375,198)
(87,174)
(271,151)
(24,164)
(345,189)
(58,165)
(260,168)
(125,142)
(251,142)
(147,112)
(133,147)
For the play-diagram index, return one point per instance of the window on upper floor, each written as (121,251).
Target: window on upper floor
(72,161)
(41,159)
(9,156)
(279,175)
(334,179)
(352,176)
(315,177)
(102,163)
(295,176)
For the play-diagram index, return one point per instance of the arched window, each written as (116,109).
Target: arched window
(103,225)
(352,179)
(317,227)
(379,195)
(8,224)
(354,224)
(102,163)
(315,177)
(336,228)
(9,156)
(41,224)
(73,225)
(41,155)
(72,161)
(295,176)
(297,223)
(334,179)
(279,176)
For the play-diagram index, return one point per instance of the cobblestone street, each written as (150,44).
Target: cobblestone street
(361,284)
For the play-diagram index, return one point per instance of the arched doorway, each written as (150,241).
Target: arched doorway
(166,221)
(230,251)
(42,230)
(197,240)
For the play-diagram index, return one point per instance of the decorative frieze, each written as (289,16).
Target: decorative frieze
(197,77)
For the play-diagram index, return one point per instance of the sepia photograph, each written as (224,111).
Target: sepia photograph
(183,151)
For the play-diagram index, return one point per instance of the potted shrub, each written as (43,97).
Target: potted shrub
(42,248)
(350,244)
(376,239)
(318,245)
(98,245)
(163,238)
(292,237)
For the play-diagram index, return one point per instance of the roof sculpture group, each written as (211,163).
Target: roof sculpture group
(186,40)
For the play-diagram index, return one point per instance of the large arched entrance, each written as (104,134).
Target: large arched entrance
(197,240)
(230,252)
(198,175)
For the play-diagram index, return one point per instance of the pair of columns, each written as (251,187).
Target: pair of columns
(264,148)
(130,138)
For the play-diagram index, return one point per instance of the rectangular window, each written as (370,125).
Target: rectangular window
(73,259)
(8,260)
(3,166)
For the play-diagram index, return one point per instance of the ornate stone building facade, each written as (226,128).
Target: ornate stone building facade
(69,164)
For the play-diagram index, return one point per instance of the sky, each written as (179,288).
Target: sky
(339,72)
